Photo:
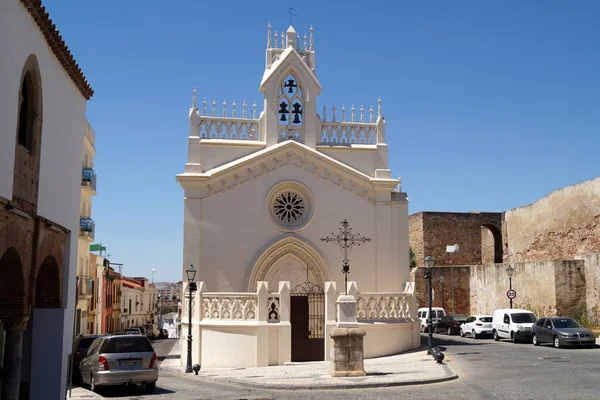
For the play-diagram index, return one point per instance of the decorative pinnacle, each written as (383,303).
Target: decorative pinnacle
(282,41)
(312,41)
(269,36)
(214,108)
(379,107)
(352,114)
(275,42)
(343,113)
(362,113)
(324,108)
(244,109)
(254,110)
(333,113)
(194,106)
(371,115)
(204,106)
(305,42)
(234,107)
(224,107)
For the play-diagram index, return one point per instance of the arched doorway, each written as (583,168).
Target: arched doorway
(47,285)
(12,313)
(294,260)
(491,244)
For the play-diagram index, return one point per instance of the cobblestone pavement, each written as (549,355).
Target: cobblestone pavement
(487,370)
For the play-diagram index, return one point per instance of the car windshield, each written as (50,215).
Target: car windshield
(566,323)
(485,319)
(126,344)
(523,318)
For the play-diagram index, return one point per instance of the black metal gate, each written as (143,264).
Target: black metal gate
(308,322)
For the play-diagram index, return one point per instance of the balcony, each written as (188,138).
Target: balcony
(85,286)
(88,179)
(87,227)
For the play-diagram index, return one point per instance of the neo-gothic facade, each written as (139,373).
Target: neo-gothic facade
(262,186)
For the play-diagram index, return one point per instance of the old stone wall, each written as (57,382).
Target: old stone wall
(431,232)
(592,283)
(561,225)
(443,291)
(415,236)
(547,288)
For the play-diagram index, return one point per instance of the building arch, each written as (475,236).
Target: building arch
(13,299)
(28,136)
(496,248)
(48,285)
(289,248)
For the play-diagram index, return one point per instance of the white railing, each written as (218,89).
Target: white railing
(230,306)
(347,133)
(384,306)
(227,128)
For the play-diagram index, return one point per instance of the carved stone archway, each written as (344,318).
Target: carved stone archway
(293,254)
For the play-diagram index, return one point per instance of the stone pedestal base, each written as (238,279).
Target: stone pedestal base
(347,352)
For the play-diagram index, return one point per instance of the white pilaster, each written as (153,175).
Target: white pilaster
(285,327)
(262,330)
(330,316)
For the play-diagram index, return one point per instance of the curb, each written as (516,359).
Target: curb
(81,393)
(450,375)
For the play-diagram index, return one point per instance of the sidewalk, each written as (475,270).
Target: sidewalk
(404,369)
(79,394)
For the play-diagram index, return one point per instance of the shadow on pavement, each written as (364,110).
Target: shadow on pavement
(131,390)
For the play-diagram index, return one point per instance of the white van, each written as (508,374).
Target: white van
(514,324)
(437,312)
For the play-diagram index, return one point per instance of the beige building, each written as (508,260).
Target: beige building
(85,281)
(138,302)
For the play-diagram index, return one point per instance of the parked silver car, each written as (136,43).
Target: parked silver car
(120,360)
(562,332)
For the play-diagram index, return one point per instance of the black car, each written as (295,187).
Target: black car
(562,332)
(80,347)
(450,324)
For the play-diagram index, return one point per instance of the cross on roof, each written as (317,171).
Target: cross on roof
(291,12)
(346,239)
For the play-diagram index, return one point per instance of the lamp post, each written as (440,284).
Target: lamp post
(429,262)
(442,291)
(191,275)
(510,271)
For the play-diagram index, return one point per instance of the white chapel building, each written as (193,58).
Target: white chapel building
(261,189)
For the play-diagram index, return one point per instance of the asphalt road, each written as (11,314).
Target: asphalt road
(487,370)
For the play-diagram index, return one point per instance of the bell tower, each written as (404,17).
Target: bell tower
(290,87)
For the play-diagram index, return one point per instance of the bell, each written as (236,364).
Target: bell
(283,118)
(296,119)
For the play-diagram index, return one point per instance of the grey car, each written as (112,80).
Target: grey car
(120,360)
(562,332)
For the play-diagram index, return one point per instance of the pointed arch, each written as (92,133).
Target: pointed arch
(13,298)
(28,136)
(290,246)
(48,285)
(290,107)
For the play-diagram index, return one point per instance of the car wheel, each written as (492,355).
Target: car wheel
(557,342)
(474,334)
(534,340)
(462,333)
(150,387)
(496,337)
(513,337)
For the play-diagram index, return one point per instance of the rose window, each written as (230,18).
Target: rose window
(290,206)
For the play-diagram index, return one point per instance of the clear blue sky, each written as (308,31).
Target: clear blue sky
(489,105)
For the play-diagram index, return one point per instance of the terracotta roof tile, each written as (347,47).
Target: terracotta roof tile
(58,45)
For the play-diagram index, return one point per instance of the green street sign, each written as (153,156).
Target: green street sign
(97,247)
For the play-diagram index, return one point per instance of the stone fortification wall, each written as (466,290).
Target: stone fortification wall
(592,286)
(443,291)
(545,287)
(561,225)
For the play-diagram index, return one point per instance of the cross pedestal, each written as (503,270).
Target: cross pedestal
(347,350)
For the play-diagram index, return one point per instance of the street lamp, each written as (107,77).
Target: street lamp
(510,271)
(429,262)
(191,275)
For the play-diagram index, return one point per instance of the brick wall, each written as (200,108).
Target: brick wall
(443,292)
(431,232)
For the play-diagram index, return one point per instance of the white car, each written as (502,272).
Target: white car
(476,326)
(437,314)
